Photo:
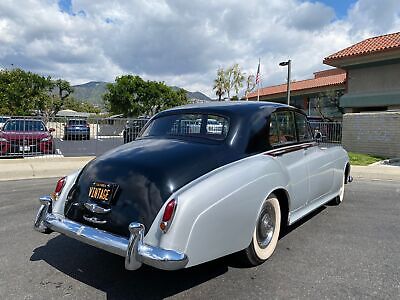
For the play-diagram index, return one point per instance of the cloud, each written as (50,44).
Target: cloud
(181,42)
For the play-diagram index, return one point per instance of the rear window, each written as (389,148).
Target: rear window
(193,125)
(77,122)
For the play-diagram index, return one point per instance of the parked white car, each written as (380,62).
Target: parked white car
(176,198)
(3,121)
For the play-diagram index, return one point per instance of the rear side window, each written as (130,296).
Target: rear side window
(286,128)
(303,128)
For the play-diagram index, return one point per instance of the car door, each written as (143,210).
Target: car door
(290,155)
(318,160)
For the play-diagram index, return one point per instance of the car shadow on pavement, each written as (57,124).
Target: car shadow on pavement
(105,271)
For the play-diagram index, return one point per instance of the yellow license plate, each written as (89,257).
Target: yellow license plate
(101,191)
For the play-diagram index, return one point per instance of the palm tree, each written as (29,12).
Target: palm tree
(219,84)
(250,84)
(237,79)
(228,81)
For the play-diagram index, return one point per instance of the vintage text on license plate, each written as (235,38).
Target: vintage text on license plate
(102,191)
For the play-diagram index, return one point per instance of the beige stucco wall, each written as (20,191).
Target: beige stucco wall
(374,79)
(372,133)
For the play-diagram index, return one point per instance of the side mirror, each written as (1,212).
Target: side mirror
(51,130)
(318,136)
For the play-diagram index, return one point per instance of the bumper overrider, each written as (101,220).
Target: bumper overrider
(135,251)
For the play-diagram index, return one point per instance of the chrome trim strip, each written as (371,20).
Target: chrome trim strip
(93,207)
(133,249)
(94,220)
(287,149)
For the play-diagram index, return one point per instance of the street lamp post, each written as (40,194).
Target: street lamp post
(288,64)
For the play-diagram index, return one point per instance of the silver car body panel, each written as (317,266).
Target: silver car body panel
(216,213)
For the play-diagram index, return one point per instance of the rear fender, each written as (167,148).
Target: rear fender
(58,205)
(216,214)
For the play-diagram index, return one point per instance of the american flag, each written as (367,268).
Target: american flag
(258,76)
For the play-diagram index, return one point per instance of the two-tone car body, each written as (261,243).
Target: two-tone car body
(177,197)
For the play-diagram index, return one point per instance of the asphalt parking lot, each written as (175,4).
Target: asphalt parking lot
(350,251)
(94,146)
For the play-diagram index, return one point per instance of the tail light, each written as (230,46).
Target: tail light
(168,215)
(59,187)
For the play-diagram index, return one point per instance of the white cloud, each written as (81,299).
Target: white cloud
(182,42)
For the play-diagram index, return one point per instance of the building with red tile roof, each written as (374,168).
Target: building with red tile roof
(305,92)
(367,73)
(379,45)
(373,73)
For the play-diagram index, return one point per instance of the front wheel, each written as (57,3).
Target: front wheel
(266,233)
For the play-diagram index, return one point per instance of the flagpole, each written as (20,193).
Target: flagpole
(258,79)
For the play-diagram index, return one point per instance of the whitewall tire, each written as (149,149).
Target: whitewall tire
(266,233)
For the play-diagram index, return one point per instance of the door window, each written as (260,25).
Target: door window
(303,128)
(287,128)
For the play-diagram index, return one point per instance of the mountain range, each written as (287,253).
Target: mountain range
(93,91)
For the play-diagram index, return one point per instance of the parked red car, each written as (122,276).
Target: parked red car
(25,136)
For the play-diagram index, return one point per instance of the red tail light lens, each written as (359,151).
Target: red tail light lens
(59,186)
(168,215)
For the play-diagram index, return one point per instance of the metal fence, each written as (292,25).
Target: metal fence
(331,132)
(70,136)
(65,136)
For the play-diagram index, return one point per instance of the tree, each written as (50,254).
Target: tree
(219,84)
(250,84)
(71,103)
(237,79)
(132,96)
(332,99)
(23,93)
(64,90)
(231,78)
(228,81)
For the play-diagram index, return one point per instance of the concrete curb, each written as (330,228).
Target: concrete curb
(16,169)
(376,172)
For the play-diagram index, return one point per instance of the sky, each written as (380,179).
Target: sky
(182,42)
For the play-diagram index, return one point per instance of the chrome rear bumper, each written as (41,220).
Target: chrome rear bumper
(133,249)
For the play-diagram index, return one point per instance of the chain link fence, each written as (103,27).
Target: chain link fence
(65,136)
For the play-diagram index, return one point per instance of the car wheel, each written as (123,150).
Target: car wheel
(266,233)
(339,199)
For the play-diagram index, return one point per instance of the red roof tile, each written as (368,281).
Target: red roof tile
(371,45)
(302,85)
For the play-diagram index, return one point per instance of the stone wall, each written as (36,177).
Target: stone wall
(372,133)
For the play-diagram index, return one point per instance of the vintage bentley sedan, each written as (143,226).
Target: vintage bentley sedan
(185,193)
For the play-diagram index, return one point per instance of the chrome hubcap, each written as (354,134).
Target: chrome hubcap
(266,225)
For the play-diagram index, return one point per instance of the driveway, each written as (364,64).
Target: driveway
(350,251)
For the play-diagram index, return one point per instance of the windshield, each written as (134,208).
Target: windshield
(193,125)
(24,125)
(3,119)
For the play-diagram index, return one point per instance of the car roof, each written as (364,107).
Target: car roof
(22,119)
(228,107)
